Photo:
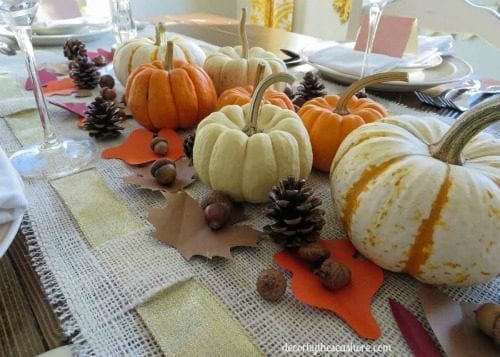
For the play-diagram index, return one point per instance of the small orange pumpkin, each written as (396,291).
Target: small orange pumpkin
(330,119)
(243,95)
(171,95)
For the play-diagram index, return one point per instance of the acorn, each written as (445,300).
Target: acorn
(313,253)
(271,284)
(163,170)
(215,196)
(217,215)
(488,320)
(107,81)
(334,275)
(108,93)
(159,145)
(99,60)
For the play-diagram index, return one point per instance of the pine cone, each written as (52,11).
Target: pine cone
(101,118)
(84,73)
(294,208)
(188,146)
(311,87)
(74,48)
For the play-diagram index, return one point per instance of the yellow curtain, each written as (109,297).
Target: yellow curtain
(273,13)
(343,8)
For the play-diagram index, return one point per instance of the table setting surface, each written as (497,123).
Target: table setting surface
(84,268)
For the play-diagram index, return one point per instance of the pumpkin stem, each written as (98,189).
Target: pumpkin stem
(469,124)
(243,34)
(259,74)
(160,34)
(257,95)
(169,56)
(365,82)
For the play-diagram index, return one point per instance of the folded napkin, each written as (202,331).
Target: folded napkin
(12,200)
(343,58)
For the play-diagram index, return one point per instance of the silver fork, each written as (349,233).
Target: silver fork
(441,100)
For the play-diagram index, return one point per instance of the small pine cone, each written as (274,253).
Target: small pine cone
(101,119)
(84,73)
(188,146)
(294,210)
(74,48)
(311,87)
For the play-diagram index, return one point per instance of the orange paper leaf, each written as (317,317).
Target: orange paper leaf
(63,86)
(143,178)
(351,303)
(136,149)
(182,225)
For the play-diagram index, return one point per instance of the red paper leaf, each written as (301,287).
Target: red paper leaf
(454,325)
(351,303)
(143,178)
(63,86)
(108,55)
(75,108)
(182,225)
(414,333)
(136,148)
(45,77)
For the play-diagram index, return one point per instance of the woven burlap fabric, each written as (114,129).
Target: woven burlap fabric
(95,290)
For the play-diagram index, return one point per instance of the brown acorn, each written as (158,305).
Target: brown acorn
(163,170)
(108,94)
(159,145)
(99,60)
(271,284)
(313,253)
(107,81)
(334,275)
(488,320)
(217,215)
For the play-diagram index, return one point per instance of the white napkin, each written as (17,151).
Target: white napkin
(12,200)
(342,57)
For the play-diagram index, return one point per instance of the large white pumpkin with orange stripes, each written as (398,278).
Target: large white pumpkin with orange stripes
(133,53)
(430,210)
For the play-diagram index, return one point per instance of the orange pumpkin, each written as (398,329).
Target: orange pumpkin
(330,119)
(243,95)
(171,95)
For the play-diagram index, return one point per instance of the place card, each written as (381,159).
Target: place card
(395,36)
(187,320)
(100,214)
(51,10)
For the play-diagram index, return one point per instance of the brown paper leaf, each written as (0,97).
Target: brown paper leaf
(182,225)
(143,177)
(454,325)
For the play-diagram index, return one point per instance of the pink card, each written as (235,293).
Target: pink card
(395,36)
(50,10)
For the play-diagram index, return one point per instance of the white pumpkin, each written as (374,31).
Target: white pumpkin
(245,153)
(133,53)
(431,210)
(236,66)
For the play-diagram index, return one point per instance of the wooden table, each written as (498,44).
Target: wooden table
(28,325)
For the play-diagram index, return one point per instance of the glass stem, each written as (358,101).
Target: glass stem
(23,37)
(374,15)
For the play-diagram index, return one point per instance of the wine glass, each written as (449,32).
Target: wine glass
(54,157)
(375,9)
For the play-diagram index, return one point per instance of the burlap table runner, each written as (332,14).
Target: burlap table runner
(99,286)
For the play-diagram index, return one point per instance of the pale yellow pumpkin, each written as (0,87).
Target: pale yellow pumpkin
(236,66)
(430,210)
(133,53)
(244,152)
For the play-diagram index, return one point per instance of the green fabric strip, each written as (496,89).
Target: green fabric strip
(26,126)
(187,320)
(100,214)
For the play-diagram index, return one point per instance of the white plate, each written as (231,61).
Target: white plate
(86,33)
(8,232)
(450,70)
(60,27)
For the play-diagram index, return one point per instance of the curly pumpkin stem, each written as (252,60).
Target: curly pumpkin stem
(243,34)
(365,82)
(160,34)
(259,74)
(169,56)
(257,96)
(469,124)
